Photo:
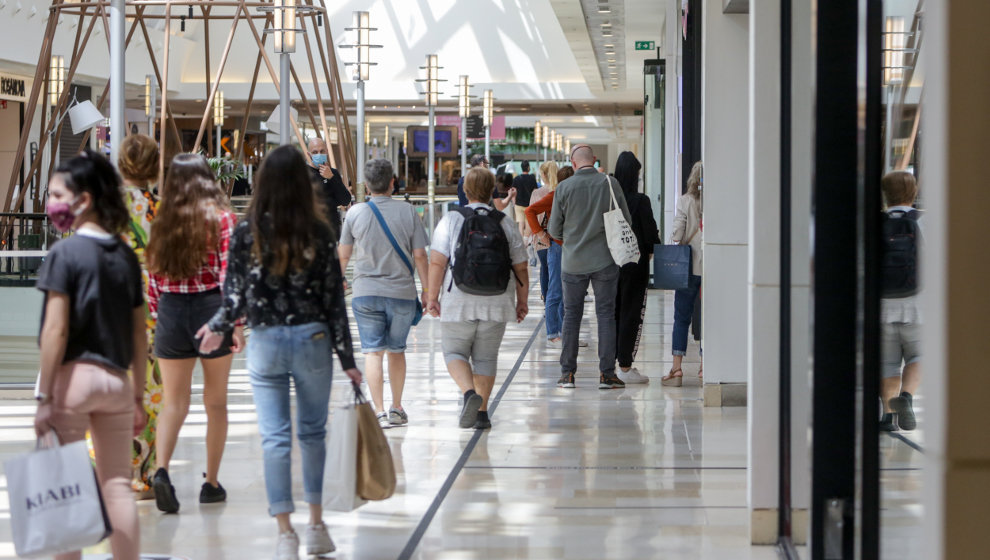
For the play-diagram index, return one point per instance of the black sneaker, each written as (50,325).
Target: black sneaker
(903,406)
(483,422)
(887,423)
(566,381)
(164,492)
(469,412)
(210,494)
(610,381)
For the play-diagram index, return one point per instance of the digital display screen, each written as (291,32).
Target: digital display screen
(443,141)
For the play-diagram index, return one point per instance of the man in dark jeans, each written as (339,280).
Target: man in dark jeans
(524,184)
(576,218)
(332,191)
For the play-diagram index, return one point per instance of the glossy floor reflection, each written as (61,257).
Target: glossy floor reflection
(643,472)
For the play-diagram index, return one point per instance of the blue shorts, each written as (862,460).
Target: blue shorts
(383,322)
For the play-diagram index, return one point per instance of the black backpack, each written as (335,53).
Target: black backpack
(481,264)
(899,263)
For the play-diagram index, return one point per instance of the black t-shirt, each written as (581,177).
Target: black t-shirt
(524,184)
(102,278)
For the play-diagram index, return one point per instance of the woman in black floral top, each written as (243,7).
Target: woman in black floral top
(283,275)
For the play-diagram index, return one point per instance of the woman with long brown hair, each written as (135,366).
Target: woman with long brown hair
(187,258)
(285,277)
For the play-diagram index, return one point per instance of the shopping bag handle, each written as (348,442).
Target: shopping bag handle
(48,441)
(358,394)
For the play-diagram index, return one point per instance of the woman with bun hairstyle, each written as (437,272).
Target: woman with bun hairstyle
(138,165)
(187,257)
(92,332)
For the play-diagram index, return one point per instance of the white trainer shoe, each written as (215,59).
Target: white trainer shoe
(318,540)
(287,547)
(632,377)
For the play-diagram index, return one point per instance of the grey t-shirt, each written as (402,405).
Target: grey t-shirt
(378,269)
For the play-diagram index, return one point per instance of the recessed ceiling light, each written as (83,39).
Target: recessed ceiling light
(609,46)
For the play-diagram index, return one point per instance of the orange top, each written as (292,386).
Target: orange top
(533,211)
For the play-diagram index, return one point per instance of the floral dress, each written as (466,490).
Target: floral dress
(143,206)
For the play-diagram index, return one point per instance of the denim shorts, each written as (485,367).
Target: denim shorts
(383,322)
(179,317)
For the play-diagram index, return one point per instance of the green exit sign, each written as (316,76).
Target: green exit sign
(645,45)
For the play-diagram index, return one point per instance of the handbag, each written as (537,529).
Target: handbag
(672,266)
(55,500)
(340,468)
(402,254)
(375,469)
(618,233)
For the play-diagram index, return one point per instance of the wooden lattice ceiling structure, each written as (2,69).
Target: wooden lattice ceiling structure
(228,15)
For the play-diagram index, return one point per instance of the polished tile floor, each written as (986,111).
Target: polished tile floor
(643,472)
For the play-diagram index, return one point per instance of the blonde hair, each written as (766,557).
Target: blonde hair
(899,188)
(549,173)
(694,179)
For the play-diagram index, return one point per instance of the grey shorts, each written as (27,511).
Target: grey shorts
(475,342)
(899,343)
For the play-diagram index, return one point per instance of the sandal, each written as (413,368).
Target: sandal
(673,379)
(701,372)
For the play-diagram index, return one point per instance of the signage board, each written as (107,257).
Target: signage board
(645,45)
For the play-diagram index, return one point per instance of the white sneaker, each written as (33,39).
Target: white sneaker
(318,540)
(383,420)
(287,547)
(632,377)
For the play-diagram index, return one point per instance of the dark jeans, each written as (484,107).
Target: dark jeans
(683,311)
(544,273)
(630,309)
(605,283)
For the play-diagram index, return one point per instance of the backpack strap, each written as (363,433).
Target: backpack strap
(391,238)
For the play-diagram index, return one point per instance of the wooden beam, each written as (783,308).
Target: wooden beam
(161,85)
(319,97)
(216,86)
(164,81)
(343,126)
(209,102)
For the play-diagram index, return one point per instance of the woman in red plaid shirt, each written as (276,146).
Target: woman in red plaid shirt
(187,258)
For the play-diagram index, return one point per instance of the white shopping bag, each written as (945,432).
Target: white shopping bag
(340,472)
(618,233)
(55,501)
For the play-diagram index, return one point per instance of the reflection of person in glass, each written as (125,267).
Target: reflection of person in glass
(899,312)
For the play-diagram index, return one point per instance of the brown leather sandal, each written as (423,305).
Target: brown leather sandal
(672,380)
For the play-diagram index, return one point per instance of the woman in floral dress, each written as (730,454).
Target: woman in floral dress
(138,165)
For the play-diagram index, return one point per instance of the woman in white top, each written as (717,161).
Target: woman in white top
(472,326)
(687,231)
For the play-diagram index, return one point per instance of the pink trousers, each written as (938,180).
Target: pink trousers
(89,397)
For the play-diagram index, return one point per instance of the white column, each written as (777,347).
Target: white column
(725,125)
(763,322)
(118,122)
(672,123)
(362,150)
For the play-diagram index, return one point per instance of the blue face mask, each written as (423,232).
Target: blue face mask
(319,159)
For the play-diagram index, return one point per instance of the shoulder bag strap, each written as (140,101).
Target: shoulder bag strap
(611,193)
(391,238)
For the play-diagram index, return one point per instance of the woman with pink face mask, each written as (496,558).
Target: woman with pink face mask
(92,333)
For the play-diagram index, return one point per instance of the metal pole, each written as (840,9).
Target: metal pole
(361,153)
(284,114)
(488,143)
(219,147)
(888,136)
(431,184)
(463,146)
(152,103)
(406,154)
(118,125)
(544,153)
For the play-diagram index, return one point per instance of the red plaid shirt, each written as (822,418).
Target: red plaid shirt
(211,275)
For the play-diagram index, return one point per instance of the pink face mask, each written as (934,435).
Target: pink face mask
(62,215)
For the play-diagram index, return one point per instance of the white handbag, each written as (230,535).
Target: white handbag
(622,241)
(55,500)
(340,471)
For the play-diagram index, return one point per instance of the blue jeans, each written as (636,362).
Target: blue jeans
(302,354)
(554,308)
(544,273)
(383,322)
(683,311)
(605,283)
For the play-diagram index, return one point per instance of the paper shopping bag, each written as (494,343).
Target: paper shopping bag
(55,501)
(340,472)
(376,471)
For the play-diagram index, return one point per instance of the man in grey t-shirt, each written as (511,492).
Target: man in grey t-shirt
(384,289)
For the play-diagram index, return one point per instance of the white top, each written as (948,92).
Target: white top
(456,305)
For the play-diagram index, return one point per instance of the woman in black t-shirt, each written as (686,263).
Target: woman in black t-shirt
(93,332)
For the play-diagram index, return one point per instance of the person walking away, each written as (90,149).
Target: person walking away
(634,278)
(285,277)
(138,165)
(687,231)
(384,286)
(525,185)
(576,218)
(478,264)
(187,257)
(900,310)
(92,331)
(330,186)
(548,176)
(537,217)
